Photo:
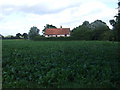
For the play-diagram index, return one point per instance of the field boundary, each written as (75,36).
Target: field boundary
(0,64)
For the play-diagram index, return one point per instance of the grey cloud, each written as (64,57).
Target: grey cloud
(40,9)
(1,18)
(7,9)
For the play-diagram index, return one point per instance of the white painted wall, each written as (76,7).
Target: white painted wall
(57,35)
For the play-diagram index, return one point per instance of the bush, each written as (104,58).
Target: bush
(107,35)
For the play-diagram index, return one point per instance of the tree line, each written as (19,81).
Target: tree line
(17,36)
(97,30)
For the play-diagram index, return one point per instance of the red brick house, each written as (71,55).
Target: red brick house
(57,32)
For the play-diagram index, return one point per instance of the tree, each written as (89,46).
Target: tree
(34,31)
(107,35)
(86,23)
(112,22)
(90,31)
(18,35)
(99,28)
(116,24)
(82,32)
(48,26)
(25,35)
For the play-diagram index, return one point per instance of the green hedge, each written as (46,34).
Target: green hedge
(39,38)
(104,37)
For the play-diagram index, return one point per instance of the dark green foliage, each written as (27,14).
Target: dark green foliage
(112,22)
(92,31)
(34,31)
(18,35)
(60,64)
(48,26)
(116,25)
(107,35)
(99,28)
(11,37)
(82,31)
(25,35)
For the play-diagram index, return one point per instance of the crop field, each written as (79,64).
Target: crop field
(60,64)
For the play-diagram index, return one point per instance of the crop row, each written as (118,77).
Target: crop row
(60,64)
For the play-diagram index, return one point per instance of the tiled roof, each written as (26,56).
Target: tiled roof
(57,31)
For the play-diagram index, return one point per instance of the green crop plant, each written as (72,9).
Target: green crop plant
(59,64)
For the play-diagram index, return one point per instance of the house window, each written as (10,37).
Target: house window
(56,35)
(65,35)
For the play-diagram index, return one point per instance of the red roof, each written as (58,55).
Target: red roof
(57,31)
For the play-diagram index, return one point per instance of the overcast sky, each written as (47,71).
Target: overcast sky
(18,16)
